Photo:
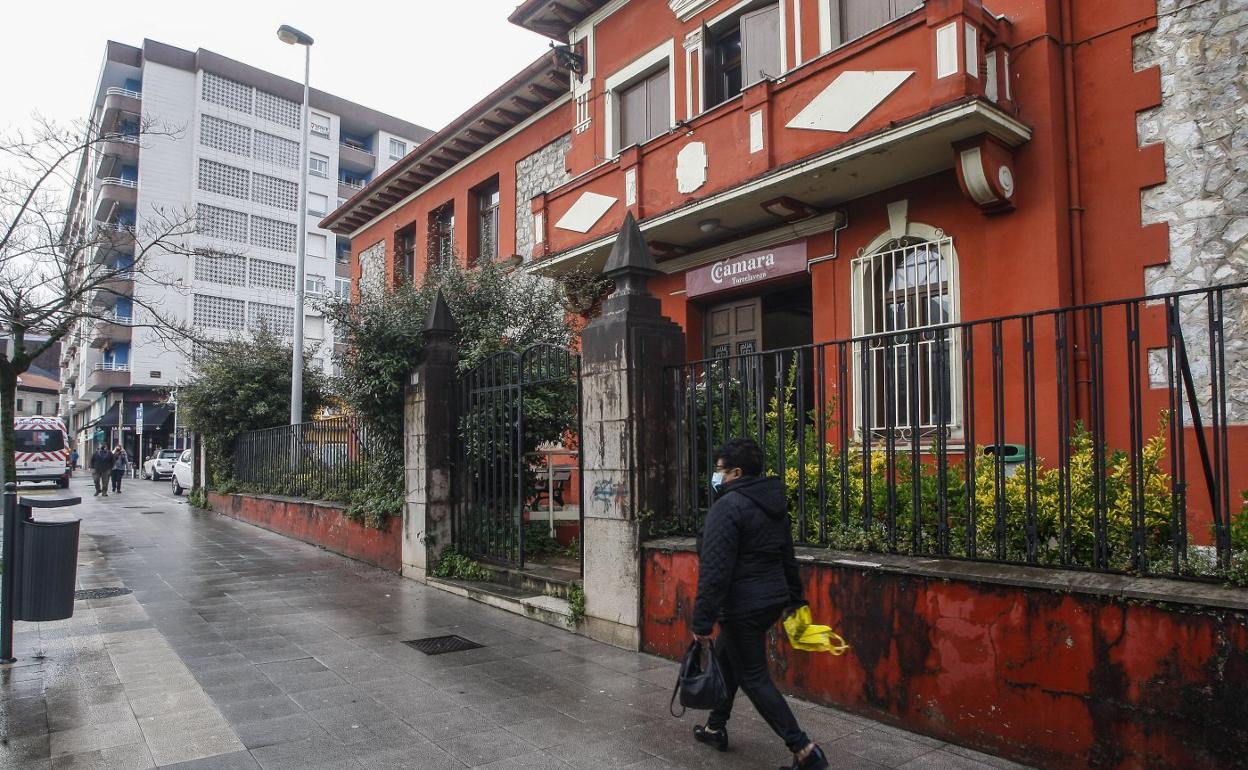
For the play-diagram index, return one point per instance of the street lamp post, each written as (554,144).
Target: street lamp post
(290,35)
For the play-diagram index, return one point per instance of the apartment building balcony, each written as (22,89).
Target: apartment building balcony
(349,187)
(926,93)
(113,238)
(354,156)
(112,328)
(119,284)
(120,101)
(107,375)
(116,150)
(116,193)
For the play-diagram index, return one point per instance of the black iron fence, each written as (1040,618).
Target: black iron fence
(1103,436)
(321,460)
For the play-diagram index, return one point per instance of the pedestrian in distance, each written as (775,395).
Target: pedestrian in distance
(121,464)
(73,459)
(101,469)
(747,580)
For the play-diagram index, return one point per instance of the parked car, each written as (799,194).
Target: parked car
(160,465)
(181,477)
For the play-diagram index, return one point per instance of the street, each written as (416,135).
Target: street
(240,648)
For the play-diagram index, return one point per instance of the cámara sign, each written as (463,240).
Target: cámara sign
(745,269)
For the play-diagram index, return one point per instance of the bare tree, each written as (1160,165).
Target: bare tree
(58,265)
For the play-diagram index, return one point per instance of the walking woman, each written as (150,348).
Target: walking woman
(121,464)
(747,578)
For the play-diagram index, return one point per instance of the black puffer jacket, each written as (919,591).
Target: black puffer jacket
(747,561)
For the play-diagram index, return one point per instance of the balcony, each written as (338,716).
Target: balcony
(112,328)
(886,109)
(116,150)
(119,284)
(115,193)
(113,238)
(107,375)
(353,156)
(120,101)
(349,187)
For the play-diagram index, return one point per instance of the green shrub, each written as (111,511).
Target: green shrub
(198,498)
(454,565)
(576,603)
(538,542)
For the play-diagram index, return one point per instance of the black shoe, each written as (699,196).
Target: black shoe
(717,738)
(815,760)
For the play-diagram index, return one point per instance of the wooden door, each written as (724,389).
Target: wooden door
(734,328)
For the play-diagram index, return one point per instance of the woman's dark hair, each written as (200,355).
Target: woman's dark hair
(743,453)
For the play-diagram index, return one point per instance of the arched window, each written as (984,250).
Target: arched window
(904,290)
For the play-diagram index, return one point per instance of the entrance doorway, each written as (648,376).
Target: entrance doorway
(779,319)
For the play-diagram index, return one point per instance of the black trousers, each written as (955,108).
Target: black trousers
(741,651)
(117,480)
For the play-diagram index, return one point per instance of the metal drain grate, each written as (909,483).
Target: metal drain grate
(437,645)
(101,593)
(149,513)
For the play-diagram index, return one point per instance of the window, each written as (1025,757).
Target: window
(851,19)
(442,235)
(318,165)
(398,149)
(38,407)
(405,252)
(20,405)
(319,125)
(314,284)
(487,199)
(221,223)
(222,179)
(342,288)
(275,192)
(904,287)
(318,204)
(740,52)
(280,151)
(277,109)
(224,269)
(225,92)
(645,109)
(273,234)
(316,244)
(264,274)
(217,312)
(225,136)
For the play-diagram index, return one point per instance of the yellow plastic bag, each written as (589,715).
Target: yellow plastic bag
(805,635)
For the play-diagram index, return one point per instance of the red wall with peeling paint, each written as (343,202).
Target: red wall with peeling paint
(1052,679)
(317,523)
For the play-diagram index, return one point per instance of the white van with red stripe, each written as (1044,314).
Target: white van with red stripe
(41,449)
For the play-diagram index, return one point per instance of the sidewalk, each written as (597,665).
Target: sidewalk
(239,648)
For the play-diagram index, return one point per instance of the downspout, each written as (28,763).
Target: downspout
(1078,295)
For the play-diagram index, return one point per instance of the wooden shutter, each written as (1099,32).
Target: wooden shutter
(858,17)
(760,45)
(633,121)
(712,76)
(659,102)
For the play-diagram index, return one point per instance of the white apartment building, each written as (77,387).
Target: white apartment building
(233,165)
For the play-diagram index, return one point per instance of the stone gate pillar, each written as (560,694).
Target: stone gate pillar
(428,425)
(627,422)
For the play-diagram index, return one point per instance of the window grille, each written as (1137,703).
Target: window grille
(278,319)
(273,234)
(319,125)
(225,136)
(277,109)
(277,150)
(225,92)
(264,274)
(211,312)
(223,179)
(272,191)
(226,224)
(225,269)
(901,292)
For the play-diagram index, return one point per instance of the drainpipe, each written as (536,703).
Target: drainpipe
(1075,213)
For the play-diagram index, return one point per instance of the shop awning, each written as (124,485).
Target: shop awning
(155,417)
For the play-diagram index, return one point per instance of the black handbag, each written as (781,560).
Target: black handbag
(701,682)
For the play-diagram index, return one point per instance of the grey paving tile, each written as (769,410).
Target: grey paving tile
(238,760)
(425,756)
(945,760)
(93,736)
(485,746)
(134,756)
(536,761)
(604,752)
(283,729)
(259,708)
(885,748)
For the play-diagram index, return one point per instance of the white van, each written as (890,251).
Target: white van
(41,450)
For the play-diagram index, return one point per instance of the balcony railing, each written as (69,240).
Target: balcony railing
(354,184)
(357,148)
(116,318)
(110,366)
(116,180)
(119,91)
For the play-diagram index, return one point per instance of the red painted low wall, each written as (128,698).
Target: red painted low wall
(1066,670)
(318,523)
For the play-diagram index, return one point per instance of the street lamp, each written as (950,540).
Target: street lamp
(291,36)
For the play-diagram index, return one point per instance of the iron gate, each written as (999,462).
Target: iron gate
(511,405)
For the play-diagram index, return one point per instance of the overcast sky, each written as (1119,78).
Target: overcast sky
(425,61)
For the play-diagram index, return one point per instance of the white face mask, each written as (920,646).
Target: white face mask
(717,480)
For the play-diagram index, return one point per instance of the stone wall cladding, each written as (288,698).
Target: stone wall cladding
(373,268)
(1202,51)
(540,172)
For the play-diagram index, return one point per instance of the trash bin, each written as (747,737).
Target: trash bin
(1014,455)
(47,570)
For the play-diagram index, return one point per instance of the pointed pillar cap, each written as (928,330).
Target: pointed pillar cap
(630,254)
(440,318)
